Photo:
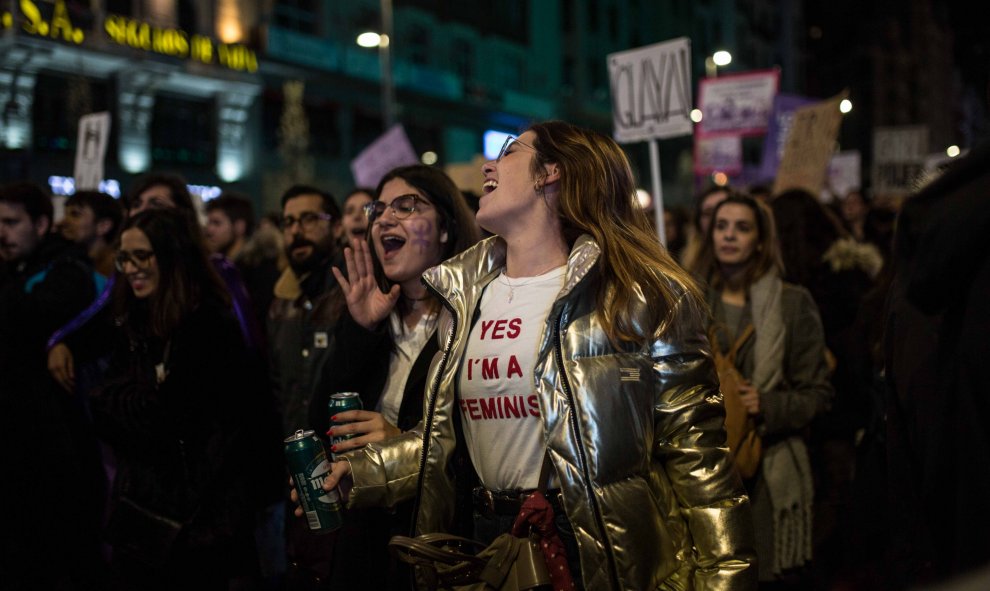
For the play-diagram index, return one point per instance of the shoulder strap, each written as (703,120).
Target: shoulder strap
(745,334)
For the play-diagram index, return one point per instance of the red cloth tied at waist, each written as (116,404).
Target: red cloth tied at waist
(536,515)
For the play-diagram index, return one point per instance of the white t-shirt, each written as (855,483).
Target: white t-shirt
(408,345)
(497,394)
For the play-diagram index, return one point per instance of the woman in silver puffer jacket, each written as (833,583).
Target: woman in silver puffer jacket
(572,335)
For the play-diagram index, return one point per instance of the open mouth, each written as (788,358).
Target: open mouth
(489,186)
(359,232)
(391,244)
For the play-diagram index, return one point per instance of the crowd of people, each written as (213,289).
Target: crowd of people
(154,357)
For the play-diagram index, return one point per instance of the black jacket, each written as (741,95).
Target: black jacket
(359,363)
(45,441)
(186,418)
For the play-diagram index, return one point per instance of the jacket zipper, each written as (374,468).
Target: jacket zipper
(431,409)
(559,356)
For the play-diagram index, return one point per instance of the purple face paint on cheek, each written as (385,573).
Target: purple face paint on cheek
(422,230)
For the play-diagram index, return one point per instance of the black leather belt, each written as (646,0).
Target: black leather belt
(508,502)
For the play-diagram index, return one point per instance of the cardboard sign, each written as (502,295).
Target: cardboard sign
(718,154)
(91,150)
(784,106)
(468,176)
(810,146)
(651,91)
(898,158)
(738,103)
(390,150)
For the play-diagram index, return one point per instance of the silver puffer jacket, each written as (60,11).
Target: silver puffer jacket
(635,435)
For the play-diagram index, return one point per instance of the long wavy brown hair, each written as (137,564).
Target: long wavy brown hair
(597,197)
(765,258)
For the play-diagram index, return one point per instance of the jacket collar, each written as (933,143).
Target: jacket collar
(465,276)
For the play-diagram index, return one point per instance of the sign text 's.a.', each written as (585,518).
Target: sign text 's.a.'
(128,32)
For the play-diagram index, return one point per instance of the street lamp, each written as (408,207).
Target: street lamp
(712,62)
(381,40)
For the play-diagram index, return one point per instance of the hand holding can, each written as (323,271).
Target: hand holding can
(309,467)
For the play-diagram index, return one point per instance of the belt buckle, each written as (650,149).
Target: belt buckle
(485,500)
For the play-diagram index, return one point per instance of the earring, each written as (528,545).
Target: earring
(443,238)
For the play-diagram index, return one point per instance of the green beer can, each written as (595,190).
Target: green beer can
(309,466)
(340,402)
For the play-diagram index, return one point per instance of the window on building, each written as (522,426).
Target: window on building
(183,131)
(302,16)
(462,58)
(59,102)
(418,39)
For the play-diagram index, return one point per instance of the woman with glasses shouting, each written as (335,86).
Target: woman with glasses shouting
(572,340)
(385,344)
(180,409)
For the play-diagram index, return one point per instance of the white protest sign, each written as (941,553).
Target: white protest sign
(392,149)
(898,158)
(844,173)
(651,91)
(721,153)
(737,103)
(91,149)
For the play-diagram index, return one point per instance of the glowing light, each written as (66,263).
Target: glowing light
(429,158)
(845,106)
(952,151)
(134,159)
(696,115)
(720,178)
(643,198)
(722,58)
(493,142)
(66,185)
(370,39)
(229,168)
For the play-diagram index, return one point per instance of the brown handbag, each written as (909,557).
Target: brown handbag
(509,563)
(745,446)
(447,562)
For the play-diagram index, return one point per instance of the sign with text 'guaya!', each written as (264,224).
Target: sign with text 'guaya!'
(651,91)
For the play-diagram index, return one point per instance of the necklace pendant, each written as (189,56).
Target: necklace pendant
(511,293)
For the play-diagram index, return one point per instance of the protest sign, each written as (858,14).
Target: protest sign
(390,150)
(737,103)
(91,150)
(651,91)
(784,106)
(718,154)
(810,146)
(898,158)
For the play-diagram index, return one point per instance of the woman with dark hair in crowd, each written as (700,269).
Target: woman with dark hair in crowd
(386,343)
(783,361)
(354,223)
(179,408)
(571,340)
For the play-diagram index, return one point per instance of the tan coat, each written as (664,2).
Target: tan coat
(635,437)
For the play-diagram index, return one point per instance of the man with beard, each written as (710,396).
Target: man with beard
(301,319)
(307,300)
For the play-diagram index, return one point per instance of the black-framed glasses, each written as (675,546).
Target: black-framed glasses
(402,207)
(509,141)
(306,219)
(139,258)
